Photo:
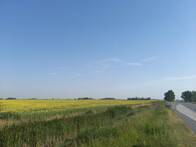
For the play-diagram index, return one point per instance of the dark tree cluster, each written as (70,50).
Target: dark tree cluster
(108,98)
(11,98)
(189,96)
(85,98)
(169,96)
(139,98)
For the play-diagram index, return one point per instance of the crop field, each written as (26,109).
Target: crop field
(36,105)
(91,123)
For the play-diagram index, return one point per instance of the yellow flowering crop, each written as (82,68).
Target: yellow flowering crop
(33,105)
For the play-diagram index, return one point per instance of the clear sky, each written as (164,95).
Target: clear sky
(97,48)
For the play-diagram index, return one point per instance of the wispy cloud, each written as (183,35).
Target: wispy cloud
(149,59)
(106,64)
(134,64)
(52,73)
(78,75)
(179,78)
(168,80)
(103,66)
(111,60)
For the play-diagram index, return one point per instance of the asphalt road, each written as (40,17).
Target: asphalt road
(187,111)
(191,106)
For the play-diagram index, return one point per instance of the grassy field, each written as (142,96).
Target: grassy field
(91,123)
(16,111)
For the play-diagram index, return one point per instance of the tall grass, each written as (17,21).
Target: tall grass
(43,132)
(118,126)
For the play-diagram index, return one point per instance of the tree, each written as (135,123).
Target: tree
(187,96)
(193,97)
(169,96)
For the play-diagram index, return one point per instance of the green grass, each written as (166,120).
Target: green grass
(116,126)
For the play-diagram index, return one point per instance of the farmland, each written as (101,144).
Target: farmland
(39,105)
(90,123)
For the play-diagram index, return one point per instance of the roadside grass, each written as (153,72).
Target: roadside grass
(158,127)
(180,130)
(118,126)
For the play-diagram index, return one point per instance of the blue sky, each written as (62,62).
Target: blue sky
(97,48)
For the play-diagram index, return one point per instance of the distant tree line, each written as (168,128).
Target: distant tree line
(108,98)
(11,98)
(139,98)
(85,98)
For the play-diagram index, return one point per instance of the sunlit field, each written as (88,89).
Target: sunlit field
(91,123)
(35,105)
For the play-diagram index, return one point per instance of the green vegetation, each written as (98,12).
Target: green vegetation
(193,96)
(119,126)
(169,96)
(189,96)
(16,111)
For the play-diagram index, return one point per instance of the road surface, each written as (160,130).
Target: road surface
(187,111)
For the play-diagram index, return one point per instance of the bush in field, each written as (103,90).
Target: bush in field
(169,96)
